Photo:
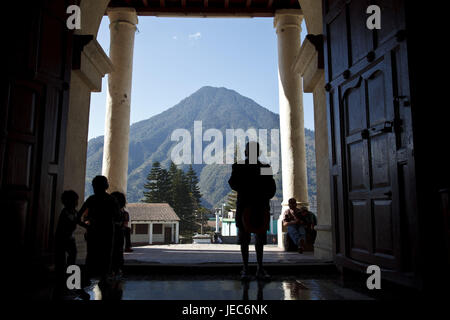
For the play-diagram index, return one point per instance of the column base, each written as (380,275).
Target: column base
(323,246)
(81,244)
(281,231)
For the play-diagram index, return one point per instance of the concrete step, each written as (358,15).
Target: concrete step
(229,268)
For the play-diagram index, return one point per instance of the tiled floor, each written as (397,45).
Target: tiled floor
(223,284)
(226,288)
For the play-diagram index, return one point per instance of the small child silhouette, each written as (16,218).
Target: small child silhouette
(64,239)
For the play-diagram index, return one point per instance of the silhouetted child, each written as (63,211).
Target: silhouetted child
(119,233)
(64,239)
(127,231)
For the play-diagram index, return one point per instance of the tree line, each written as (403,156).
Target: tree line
(181,191)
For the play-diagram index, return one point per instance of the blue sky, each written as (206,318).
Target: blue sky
(174,57)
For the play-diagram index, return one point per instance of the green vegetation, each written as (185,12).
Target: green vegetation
(181,191)
(158,185)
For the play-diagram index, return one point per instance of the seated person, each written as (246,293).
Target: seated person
(308,220)
(295,225)
(300,224)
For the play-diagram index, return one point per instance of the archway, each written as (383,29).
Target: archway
(87,78)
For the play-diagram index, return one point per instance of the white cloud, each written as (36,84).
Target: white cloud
(195,36)
(175,38)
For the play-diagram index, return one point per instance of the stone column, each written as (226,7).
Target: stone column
(323,246)
(177,232)
(292,131)
(217,221)
(150,232)
(88,70)
(117,121)
(310,65)
(90,64)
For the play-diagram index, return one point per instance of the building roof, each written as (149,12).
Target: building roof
(151,212)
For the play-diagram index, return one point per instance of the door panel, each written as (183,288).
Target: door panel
(368,119)
(360,227)
(376,94)
(361,39)
(393,19)
(354,107)
(380,169)
(357,167)
(382,226)
(34,106)
(337,30)
(368,122)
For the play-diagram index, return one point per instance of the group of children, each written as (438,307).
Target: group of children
(105,219)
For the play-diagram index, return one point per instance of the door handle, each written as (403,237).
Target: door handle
(387,126)
(405,100)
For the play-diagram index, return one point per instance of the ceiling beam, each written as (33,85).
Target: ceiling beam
(205,12)
(182,9)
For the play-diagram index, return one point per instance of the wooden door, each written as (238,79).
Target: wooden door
(167,235)
(370,145)
(34,109)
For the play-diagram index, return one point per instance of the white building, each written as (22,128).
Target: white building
(229,224)
(153,223)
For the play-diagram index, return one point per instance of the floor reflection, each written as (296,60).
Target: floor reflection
(195,288)
(107,290)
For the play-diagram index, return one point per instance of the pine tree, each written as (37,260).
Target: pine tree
(232,196)
(194,189)
(179,190)
(182,200)
(171,174)
(158,185)
(153,195)
(231,201)
(164,186)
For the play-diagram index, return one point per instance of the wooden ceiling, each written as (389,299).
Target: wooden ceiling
(207,8)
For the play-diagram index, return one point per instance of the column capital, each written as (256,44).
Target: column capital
(127,15)
(287,18)
(309,62)
(92,64)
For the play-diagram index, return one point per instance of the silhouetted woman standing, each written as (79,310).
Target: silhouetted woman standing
(100,212)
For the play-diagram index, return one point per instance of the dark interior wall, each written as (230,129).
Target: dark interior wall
(431,124)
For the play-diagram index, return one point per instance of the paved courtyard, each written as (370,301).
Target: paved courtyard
(211,254)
